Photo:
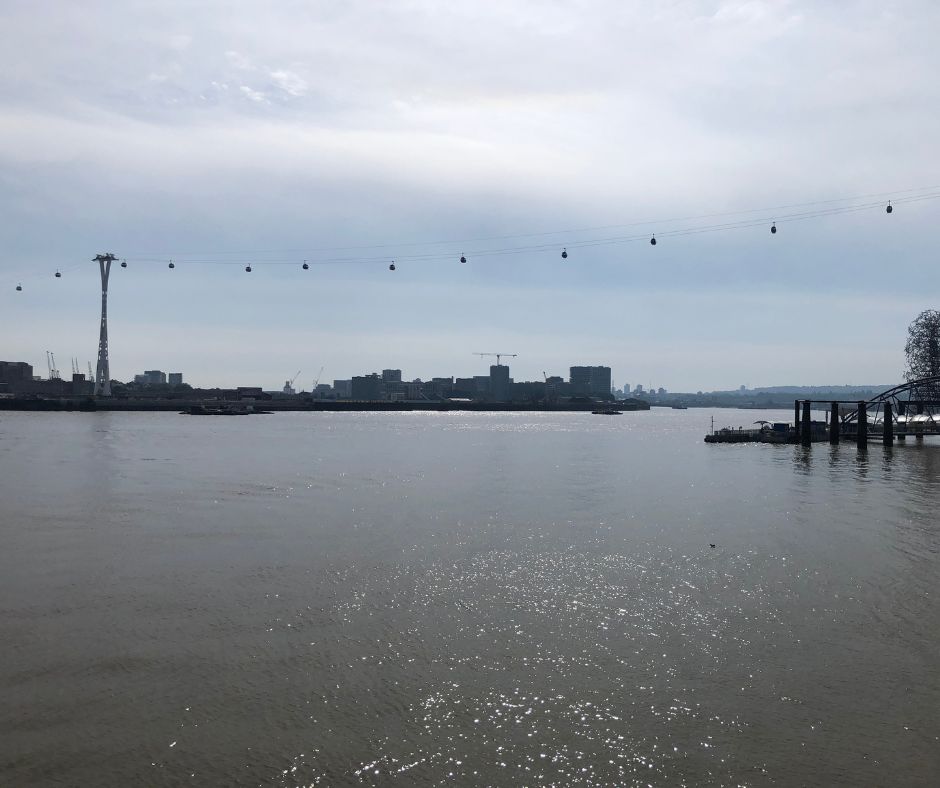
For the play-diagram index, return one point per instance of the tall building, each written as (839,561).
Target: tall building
(367,387)
(391,375)
(500,383)
(590,380)
(342,389)
(175,378)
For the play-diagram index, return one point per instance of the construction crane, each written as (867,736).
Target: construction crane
(289,384)
(498,356)
(317,381)
(91,375)
(50,364)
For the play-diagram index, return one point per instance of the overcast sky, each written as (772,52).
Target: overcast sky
(416,131)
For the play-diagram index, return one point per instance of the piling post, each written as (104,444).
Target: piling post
(834,423)
(902,410)
(861,427)
(796,421)
(887,430)
(920,426)
(806,433)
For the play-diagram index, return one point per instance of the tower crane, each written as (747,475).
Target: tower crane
(317,381)
(498,356)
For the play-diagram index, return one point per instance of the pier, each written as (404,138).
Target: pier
(911,410)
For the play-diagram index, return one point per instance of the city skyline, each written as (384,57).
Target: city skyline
(280,134)
(575,375)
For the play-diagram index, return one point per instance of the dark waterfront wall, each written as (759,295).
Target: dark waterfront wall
(118,404)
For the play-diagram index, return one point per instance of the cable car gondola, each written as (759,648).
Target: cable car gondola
(58,275)
(391,267)
(171,265)
(123,263)
(773,228)
(248,269)
(564,254)
(19,288)
(653,241)
(305,266)
(889,208)
(463,259)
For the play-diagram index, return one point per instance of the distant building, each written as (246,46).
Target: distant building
(626,389)
(398,389)
(638,389)
(151,377)
(590,380)
(80,386)
(500,383)
(464,387)
(553,384)
(15,372)
(391,375)
(661,391)
(481,386)
(442,387)
(175,378)
(367,387)
(342,389)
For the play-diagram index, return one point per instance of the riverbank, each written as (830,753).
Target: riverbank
(149,404)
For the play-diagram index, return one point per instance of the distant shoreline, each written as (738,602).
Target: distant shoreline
(176,405)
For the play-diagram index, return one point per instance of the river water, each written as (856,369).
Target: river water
(463,599)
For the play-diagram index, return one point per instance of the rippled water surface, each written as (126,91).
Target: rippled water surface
(467,599)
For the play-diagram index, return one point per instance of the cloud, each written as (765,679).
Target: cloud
(253,95)
(289,82)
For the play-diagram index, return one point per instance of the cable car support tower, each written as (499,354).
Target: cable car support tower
(103,376)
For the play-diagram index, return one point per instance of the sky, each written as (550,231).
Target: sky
(354,133)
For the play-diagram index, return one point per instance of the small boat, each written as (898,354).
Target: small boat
(607,412)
